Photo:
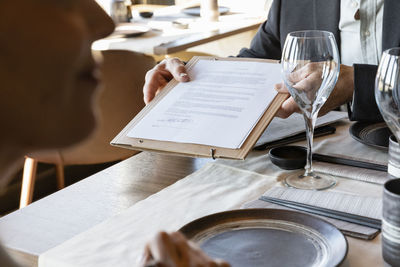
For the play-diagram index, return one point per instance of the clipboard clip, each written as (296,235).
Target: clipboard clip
(212,150)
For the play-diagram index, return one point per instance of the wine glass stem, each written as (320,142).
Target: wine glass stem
(310,123)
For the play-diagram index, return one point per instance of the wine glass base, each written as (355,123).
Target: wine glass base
(317,181)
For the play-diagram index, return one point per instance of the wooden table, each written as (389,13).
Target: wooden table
(29,232)
(165,39)
(46,223)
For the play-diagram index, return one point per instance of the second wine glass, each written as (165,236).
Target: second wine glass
(387,89)
(310,69)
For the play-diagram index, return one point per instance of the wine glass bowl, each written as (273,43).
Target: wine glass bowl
(310,69)
(387,96)
(387,89)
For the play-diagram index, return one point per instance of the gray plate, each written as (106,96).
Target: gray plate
(268,237)
(371,134)
(195,11)
(125,30)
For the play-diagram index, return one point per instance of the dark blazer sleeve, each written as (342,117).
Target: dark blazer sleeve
(266,43)
(364,107)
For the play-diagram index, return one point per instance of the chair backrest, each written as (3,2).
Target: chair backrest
(120,100)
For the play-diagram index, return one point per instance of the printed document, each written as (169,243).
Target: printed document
(219,106)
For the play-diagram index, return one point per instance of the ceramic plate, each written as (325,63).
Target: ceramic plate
(195,11)
(371,134)
(268,237)
(129,30)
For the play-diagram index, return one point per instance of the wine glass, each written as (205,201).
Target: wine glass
(310,69)
(387,89)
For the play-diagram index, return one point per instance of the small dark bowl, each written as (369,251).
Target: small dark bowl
(146,14)
(288,157)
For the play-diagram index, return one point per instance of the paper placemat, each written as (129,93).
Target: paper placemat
(120,240)
(365,206)
(349,229)
(342,144)
(360,174)
(370,207)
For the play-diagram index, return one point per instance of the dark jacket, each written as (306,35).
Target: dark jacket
(293,15)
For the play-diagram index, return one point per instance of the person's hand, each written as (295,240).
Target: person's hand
(174,250)
(341,94)
(161,74)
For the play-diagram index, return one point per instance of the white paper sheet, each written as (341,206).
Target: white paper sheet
(218,107)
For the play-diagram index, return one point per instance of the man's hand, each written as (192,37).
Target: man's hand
(341,94)
(173,250)
(161,74)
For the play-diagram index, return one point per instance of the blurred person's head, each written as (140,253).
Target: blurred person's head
(48,77)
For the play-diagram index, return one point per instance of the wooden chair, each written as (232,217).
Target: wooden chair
(121,99)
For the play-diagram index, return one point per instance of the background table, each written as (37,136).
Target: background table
(165,39)
(49,222)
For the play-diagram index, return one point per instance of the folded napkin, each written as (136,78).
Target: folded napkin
(345,211)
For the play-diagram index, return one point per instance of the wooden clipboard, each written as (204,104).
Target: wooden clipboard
(196,150)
